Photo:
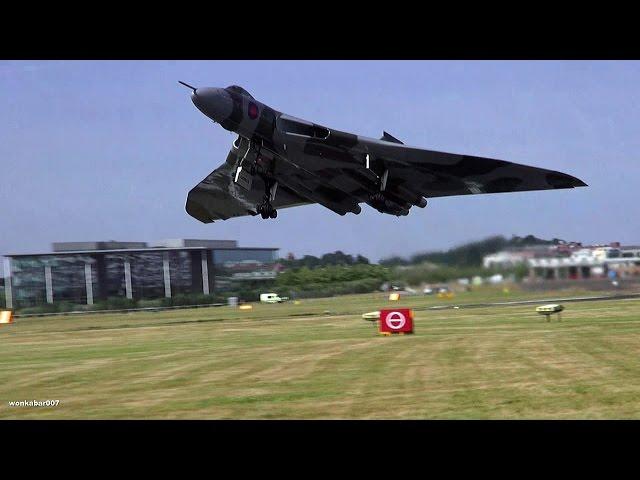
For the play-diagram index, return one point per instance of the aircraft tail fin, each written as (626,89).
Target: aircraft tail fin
(390,138)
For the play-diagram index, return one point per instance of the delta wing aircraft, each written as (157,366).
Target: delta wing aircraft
(281,161)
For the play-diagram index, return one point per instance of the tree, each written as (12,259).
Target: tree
(362,260)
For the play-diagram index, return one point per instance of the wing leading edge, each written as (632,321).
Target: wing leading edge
(438,174)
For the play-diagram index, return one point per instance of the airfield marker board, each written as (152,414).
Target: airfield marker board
(398,320)
(6,316)
(550,309)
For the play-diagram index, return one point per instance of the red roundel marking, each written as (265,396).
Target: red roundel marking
(253,111)
(396,320)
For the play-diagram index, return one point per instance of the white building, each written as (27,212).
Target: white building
(588,262)
(571,261)
(506,259)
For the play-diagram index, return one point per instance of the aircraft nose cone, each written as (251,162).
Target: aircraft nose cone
(215,103)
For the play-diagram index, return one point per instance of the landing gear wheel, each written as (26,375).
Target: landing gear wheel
(266,210)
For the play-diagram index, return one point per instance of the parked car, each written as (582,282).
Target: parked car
(272,298)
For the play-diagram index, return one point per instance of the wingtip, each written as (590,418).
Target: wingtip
(579,183)
(197,211)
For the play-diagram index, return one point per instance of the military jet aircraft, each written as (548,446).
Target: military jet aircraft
(281,161)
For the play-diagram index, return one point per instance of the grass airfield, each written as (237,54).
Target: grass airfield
(319,359)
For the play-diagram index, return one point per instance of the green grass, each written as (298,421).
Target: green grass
(298,361)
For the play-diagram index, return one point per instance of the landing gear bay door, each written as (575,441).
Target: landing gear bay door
(234,190)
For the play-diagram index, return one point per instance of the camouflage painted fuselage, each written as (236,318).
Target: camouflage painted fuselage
(310,163)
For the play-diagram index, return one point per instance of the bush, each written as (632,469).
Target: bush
(249,294)
(115,303)
(144,303)
(65,307)
(185,299)
(38,309)
(59,307)
(331,280)
(331,275)
(318,290)
(519,271)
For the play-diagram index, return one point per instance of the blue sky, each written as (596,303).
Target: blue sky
(109,149)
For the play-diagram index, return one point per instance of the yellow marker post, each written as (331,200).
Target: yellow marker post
(394,297)
(6,317)
(445,295)
(245,307)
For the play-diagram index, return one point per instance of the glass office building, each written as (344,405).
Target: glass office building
(86,272)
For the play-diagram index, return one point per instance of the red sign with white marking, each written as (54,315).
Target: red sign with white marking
(396,320)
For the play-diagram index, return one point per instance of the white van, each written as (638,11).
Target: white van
(270,298)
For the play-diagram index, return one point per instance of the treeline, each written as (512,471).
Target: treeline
(469,254)
(335,258)
(331,280)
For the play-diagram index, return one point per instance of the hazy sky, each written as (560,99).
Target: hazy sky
(108,150)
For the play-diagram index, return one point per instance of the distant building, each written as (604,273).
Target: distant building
(507,258)
(571,261)
(591,262)
(630,251)
(85,272)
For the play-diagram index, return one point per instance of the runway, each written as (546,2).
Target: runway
(625,296)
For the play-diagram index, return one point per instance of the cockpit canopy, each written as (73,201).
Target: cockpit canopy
(238,89)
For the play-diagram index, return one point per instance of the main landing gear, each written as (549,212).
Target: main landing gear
(265,209)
